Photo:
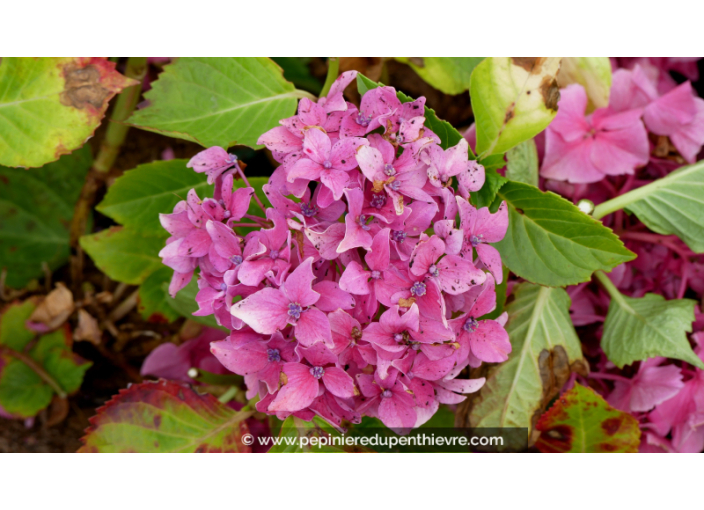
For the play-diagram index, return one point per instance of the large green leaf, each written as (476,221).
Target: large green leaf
(137,198)
(640,328)
(185,303)
(592,73)
(23,392)
(513,99)
(448,74)
(165,416)
(124,254)
(221,101)
(154,297)
(35,213)
(449,136)
(581,421)
(671,205)
(545,348)
(522,165)
(51,106)
(551,242)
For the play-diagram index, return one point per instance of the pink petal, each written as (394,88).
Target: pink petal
(338,382)
(300,390)
(265,311)
(313,327)
(332,297)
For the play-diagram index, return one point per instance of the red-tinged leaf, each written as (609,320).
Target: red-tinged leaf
(165,416)
(582,421)
(51,106)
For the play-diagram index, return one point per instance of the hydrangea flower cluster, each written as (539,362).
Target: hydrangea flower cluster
(360,293)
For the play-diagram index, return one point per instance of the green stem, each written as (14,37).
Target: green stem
(609,286)
(43,374)
(333,70)
(125,105)
(624,200)
(206,377)
(229,394)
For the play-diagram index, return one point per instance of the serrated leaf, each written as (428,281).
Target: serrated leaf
(513,99)
(51,106)
(154,297)
(124,254)
(545,349)
(581,421)
(449,136)
(522,163)
(297,72)
(671,205)
(165,416)
(551,242)
(35,213)
(450,75)
(221,101)
(592,73)
(137,197)
(185,303)
(640,328)
(23,393)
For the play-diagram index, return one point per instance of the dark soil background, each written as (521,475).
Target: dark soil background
(117,361)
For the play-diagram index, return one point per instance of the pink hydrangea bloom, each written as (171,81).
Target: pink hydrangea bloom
(341,304)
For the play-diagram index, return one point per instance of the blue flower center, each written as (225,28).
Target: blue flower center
(398,235)
(389,169)
(273,355)
(274,254)
(363,222)
(378,201)
(476,241)
(376,275)
(308,210)
(433,270)
(327,165)
(236,259)
(386,393)
(295,310)
(223,286)
(418,289)
(363,120)
(317,372)
(470,325)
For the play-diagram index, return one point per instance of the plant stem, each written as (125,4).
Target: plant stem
(205,377)
(609,286)
(256,198)
(125,105)
(229,394)
(43,374)
(624,200)
(333,70)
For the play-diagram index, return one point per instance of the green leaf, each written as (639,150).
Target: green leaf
(137,198)
(23,392)
(671,205)
(165,416)
(640,328)
(501,296)
(124,254)
(297,72)
(450,75)
(486,196)
(51,106)
(551,242)
(221,101)
(513,99)
(36,208)
(581,421)
(545,348)
(522,163)
(154,297)
(185,303)
(449,136)
(592,73)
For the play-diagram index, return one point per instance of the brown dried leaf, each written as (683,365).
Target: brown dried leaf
(54,309)
(88,329)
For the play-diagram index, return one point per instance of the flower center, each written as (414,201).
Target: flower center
(362,120)
(327,165)
(470,325)
(433,270)
(398,235)
(418,289)
(231,158)
(308,210)
(476,241)
(236,259)
(389,169)
(317,372)
(395,185)
(362,220)
(376,275)
(274,254)
(223,286)
(273,355)
(226,214)
(386,393)
(295,310)
(378,201)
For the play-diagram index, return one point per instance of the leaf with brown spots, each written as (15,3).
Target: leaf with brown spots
(51,106)
(581,421)
(514,99)
(592,73)
(165,416)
